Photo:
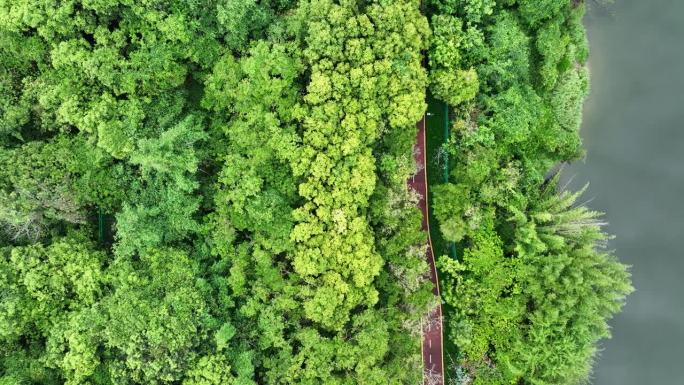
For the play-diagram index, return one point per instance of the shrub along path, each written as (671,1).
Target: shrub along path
(433,356)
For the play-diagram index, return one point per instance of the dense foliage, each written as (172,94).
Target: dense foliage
(531,292)
(254,156)
(253,159)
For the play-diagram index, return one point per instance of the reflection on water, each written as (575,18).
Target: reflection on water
(634,135)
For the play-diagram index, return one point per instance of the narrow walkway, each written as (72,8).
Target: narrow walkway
(433,355)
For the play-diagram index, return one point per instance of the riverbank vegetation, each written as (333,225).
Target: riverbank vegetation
(253,159)
(529,296)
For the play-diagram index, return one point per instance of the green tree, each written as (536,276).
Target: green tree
(45,184)
(160,213)
(155,317)
(534,12)
(48,315)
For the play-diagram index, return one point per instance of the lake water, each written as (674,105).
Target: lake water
(634,136)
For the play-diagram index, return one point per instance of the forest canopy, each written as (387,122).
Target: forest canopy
(215,192)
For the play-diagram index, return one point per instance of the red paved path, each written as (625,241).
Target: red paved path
(433,356)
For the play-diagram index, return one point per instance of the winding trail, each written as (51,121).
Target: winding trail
(433,354)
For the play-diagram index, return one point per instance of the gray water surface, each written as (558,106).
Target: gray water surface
(633,132)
